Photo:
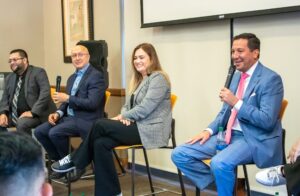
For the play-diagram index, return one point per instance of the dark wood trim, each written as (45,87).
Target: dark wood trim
(117,92)
(120,92)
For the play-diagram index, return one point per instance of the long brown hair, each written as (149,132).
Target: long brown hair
(154,66)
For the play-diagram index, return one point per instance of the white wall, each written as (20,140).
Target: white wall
(21,27)
(197,57)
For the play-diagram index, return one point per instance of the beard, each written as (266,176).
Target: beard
(20,68)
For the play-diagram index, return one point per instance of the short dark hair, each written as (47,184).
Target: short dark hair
(21,52)
(253,41)
(21,162)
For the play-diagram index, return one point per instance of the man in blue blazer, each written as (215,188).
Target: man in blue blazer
(81,105)
(256,131)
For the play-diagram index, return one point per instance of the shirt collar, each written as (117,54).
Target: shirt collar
(252,68)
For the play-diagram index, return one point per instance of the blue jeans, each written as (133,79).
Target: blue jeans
(188,158)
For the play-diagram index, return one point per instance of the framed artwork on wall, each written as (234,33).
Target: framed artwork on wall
(77,21)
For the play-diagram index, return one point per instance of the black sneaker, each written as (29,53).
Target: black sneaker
(63,165)
(55,175)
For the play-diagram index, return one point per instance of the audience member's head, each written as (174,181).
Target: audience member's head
(18,60)
(22,168)
(80,56)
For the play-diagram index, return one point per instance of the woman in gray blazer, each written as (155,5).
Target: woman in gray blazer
(145,119)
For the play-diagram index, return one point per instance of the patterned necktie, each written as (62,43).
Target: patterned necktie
(15,101)
(232,117)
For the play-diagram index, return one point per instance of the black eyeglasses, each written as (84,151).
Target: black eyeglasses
(14,60)
(79,55)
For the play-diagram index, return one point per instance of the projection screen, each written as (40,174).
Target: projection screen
(168,12)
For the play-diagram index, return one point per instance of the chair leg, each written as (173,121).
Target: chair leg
(148,171)
(48,166)
(247,180)
(132,171)
(69,182)
(119,162)
(181,182)
(197,191)
(69,173)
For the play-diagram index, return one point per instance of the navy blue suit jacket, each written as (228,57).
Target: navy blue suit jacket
(259,115)
(88,101)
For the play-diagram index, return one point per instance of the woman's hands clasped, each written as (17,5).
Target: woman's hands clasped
(122,120)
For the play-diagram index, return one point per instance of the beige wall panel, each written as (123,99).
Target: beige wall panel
(106,27)
(21,27)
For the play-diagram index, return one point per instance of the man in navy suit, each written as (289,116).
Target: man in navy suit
(256,131)
(81,105)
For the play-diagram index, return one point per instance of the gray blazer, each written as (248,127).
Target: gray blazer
(37,93)
(151,111)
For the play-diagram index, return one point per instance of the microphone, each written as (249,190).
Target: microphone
(58,80)
(230,75)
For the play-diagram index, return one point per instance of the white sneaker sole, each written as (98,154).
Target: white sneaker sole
(63,171)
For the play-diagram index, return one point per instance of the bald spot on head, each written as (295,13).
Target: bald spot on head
(80,48)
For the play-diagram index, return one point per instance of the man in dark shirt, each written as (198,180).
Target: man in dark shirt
(26,100)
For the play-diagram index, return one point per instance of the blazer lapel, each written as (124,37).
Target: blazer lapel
(72,80)
(12,88)
(84,77)
(28,75)
(255,78)
(138,90)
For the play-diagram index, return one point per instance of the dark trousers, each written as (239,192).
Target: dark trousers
(3,129)
(97,147)
(292,174)
(55,139)
(24,124)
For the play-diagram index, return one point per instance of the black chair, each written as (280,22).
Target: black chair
(98,56)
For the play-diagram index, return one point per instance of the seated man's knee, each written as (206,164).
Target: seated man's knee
(2,129)
(219,163)
(22,125)
(53,135)
(177,154)
(38,133)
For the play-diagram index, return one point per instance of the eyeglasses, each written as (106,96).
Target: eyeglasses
(79,55)
(14,60)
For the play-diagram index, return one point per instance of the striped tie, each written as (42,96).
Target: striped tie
(15,102)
